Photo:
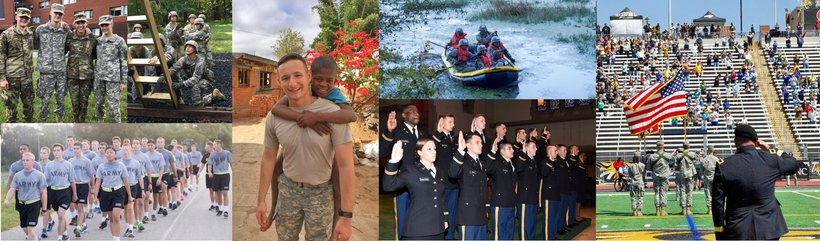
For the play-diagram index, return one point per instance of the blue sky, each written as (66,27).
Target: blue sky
(755,12)
(256,26)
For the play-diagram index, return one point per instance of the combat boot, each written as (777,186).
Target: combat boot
(217,94)
(657,211)
(663,211)
(709,210)
(639,212)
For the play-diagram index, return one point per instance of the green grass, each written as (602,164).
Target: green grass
(583,42)
(221,36)
(527,12)
(615,211)
(10,218)
(428,5)
(68,107)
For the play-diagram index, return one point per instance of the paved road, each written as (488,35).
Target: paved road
(191,221)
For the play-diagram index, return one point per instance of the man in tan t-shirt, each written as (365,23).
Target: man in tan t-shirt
(305,194)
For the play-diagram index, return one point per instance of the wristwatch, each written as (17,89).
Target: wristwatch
(345,214)
(44,210)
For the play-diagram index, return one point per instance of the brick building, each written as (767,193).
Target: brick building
(253,76)
(93,9)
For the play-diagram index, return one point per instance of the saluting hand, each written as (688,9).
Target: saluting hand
(397,153)
(4,84)
(391,121)
(461,143)
(763,145)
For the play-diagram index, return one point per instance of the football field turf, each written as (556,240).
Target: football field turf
(801,208)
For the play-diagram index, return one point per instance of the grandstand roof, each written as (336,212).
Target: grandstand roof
(709,17)
(625,14)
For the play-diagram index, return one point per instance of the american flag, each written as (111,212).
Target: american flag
(658,102)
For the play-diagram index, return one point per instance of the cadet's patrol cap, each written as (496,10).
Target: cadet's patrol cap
(746,132)
(202,16)
(137,26)
(57,8)
(199,21)
(495,39)
(173,13)
(23,12)
(680,149)
(106,19)
(80,17)
(685,143)
(162,38)
(711,148)
(459,30)
(191,16)
(192,43)
(637,153)
(137,35)
(660,143)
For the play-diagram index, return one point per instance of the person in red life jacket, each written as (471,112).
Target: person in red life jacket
(483,61)
(462,58)
(458,36)
(484,36)
(498,52)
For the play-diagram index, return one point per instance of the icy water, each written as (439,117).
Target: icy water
(549,69)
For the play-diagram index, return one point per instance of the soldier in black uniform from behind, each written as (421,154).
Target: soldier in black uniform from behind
(470,167)
(527,192)
(426,217)
(502,172)
(744,183)
(405,134)
(445,149)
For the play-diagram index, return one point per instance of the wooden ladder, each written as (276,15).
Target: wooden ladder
(133,63)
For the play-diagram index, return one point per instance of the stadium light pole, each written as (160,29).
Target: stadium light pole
(741,16)
(669,15)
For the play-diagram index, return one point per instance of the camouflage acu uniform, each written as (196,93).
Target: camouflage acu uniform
(174,32)
(81,54)
(709,164)
(685,171)
(636,173)
(51,64)
(291,211)
(202,39)
(195,78)
(139,52)
(111,71)
(16,67)
(658,162)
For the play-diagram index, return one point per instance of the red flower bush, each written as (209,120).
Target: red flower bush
(358,63)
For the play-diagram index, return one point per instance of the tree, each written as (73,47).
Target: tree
(290,42)
(335,16)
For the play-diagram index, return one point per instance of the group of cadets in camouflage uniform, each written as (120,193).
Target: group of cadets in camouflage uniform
(79,75)
(191,69)
(683,163)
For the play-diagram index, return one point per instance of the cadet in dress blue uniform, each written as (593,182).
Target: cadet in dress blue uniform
(744,183)
(502,172)
(565,188)
(445,147)
(550,194)
(470,168)
(426,217)
(528,192)
(406,134)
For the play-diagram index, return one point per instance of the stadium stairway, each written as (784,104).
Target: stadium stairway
(777,117)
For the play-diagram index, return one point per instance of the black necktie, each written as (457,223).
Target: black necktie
(432,172)
(414,132)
